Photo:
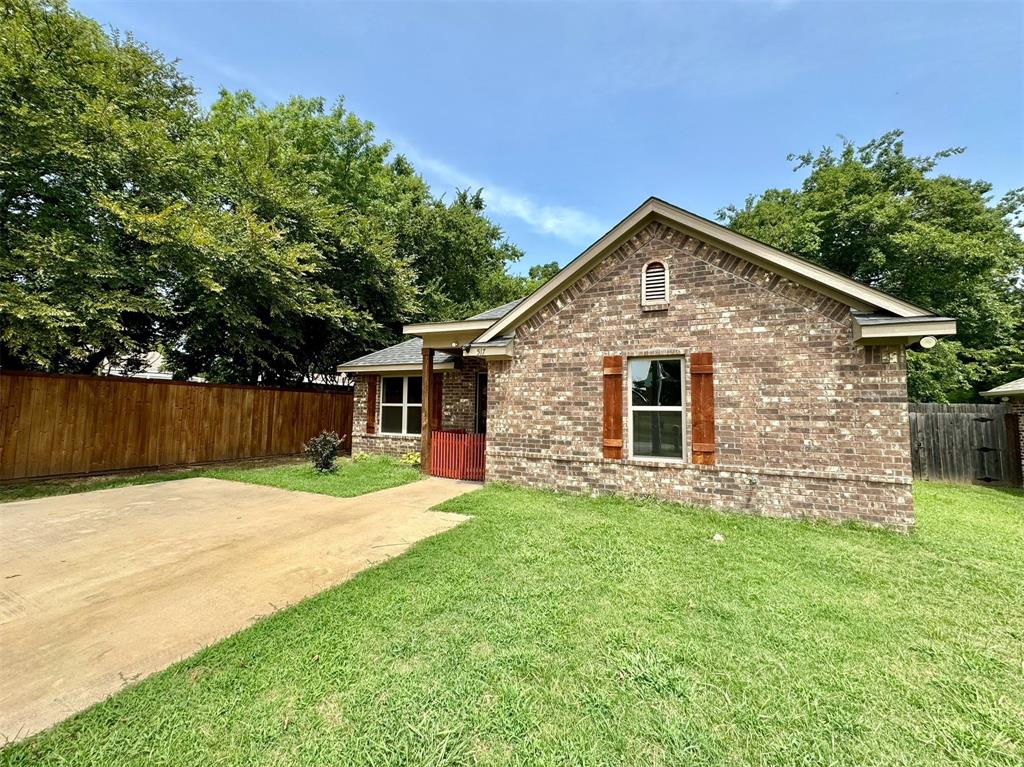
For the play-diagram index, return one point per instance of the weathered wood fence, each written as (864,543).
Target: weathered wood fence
(964,443)
(60,425)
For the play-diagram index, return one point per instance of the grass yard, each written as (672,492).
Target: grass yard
(365,475)
(559,630)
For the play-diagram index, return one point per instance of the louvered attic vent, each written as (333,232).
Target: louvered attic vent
(655,283)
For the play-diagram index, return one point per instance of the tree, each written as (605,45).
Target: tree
(460,257)
(250,244)
(287,261)
(88,123)
(885,218)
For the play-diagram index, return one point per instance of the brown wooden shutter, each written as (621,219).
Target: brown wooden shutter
(613,368)
(702,406)
(371,404)
(436,401)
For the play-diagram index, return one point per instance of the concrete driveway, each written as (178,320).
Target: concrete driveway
(100,589)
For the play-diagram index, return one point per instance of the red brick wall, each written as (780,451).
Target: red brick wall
(808,424)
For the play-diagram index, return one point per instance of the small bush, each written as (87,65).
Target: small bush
(322,451)
(411,459)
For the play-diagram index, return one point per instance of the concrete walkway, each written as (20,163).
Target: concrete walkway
(100,589)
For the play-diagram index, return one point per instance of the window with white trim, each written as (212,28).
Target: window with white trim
(401,404)
(656,417)
(654,283)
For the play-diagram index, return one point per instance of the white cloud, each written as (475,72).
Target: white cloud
(573,226)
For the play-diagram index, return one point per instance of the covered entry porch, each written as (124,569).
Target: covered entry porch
(428,402)
(453,425)
(428,395)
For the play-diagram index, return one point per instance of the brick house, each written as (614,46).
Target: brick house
(673,358)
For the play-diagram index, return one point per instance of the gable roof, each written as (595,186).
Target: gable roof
(498,311)
(843,289)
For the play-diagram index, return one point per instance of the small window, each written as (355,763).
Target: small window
(656,407)
(401,405)
(655,283)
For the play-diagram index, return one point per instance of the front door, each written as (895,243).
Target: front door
(481,403)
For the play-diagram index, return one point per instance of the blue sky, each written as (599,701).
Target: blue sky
(571,114)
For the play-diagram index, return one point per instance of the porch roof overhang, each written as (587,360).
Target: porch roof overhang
(879,329)
(447,335)
(396,369)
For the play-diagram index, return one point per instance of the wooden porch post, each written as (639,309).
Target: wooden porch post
(428,376)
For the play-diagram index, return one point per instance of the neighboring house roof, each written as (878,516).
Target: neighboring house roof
(844,289)
(407,355)
(1011,389)
(153,369)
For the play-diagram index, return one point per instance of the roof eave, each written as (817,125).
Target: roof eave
(903,331)
(401,367)
(492,351)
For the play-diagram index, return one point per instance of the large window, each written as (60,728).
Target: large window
(401,404)
(656,407)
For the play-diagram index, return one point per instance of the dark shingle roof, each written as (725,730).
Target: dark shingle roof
(497,312)
(406,353)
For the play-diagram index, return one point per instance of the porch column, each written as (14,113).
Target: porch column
(428,379)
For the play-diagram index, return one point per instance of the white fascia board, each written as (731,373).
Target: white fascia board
(427,328)
(502,352)
(394,368)
(906,332)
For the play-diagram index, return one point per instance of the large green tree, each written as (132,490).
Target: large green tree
(250,243)
(88,122)
(287,259)
(460,257)
(888,219)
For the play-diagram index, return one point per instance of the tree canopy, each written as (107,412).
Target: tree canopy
(250,243)
(886,218)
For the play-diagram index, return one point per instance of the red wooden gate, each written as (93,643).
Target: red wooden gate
(457,456)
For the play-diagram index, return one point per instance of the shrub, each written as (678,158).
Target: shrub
(411,459)
(322,451)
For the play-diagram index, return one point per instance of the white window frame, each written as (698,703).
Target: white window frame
(404,405)
(681,408)
(643,283)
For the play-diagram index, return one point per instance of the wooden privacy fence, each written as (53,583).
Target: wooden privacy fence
(964,443)
(457,455)
(58,425)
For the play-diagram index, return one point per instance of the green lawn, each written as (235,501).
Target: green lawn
(351,478)
(559,630)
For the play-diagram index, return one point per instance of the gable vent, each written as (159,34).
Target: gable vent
(655,283)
